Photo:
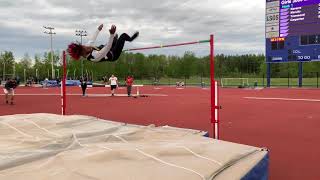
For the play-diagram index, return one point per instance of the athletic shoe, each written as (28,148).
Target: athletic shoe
(115,39)
(135,35)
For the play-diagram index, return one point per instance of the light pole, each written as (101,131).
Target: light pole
(14,70)
(58,70)
(74,73)
(81,33)
(24,74)
(36,73)
(51,33)
(4,71)
(37,77)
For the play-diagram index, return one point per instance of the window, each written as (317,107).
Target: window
(304,40)
(309,39)
(312,39)
(274,45)
(281,45)
(277,45)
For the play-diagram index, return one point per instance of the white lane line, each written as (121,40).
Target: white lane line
(90,95)
(283,99)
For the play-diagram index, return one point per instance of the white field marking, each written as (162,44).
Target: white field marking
(160,160)
(170,164)
(125,95)
(44,129)
(90,95)
(283,99)
(203,157)
(17,130)
(137,85)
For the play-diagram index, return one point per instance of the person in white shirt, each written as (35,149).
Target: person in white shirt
(113,83)
(108,52)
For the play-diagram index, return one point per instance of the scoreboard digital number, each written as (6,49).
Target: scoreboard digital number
(292,30)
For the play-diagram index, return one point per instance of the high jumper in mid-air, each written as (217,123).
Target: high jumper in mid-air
(107,52)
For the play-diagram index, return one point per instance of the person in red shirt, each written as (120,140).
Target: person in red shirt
(129,82)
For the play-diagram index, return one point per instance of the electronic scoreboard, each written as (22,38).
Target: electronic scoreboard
(292,30)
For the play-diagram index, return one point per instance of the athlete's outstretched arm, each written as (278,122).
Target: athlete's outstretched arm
(94,36)
(103,52)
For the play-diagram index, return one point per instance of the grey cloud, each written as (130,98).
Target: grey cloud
(238,25)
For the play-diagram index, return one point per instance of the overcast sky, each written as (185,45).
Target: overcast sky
(238,25)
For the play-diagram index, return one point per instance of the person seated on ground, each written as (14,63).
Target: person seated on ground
(9,87)
(108,52)
(179,84)
(28,83)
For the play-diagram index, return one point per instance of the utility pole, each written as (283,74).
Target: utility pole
(81,33)
(51,33)
(24,74)
(4,70)
(14,70)
(58,70)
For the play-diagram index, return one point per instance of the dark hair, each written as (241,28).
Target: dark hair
(75,50)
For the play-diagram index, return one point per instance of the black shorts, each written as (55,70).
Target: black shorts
(113,87)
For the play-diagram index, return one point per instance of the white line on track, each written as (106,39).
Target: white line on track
(283,99)
(90,95)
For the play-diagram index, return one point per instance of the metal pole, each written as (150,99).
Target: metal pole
(317,79)
(63,86)
(4,71)
(268,74)
(300,73)
(81,33)
(24,75)
(14,70)
(288,76)
(58,73)
(52,64)
(52,68)
(81,59)
(213,91)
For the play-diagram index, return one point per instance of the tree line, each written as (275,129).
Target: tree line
(152,67)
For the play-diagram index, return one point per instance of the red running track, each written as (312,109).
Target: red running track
(289,129)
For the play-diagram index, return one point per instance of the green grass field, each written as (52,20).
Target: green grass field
(275,82)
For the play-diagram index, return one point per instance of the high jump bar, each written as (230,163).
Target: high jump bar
(169,45)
